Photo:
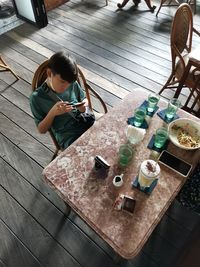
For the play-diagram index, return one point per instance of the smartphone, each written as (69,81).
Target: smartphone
(101,162)
(176,164)
(78,104)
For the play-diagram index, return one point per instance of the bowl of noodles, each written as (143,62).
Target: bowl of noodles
(185,133)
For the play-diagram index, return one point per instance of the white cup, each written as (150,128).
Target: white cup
(118,180)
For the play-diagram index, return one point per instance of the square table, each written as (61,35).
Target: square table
(73,177)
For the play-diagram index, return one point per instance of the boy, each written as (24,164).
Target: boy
(52,103)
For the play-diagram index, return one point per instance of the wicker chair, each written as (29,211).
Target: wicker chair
(93,97)
(181,43)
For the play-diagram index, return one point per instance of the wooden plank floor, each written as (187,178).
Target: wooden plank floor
(118,51)
(8,23)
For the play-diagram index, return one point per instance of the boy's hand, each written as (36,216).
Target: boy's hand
(60,108)
(83,106)
(81,109)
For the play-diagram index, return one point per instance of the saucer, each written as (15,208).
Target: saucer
(145,105)
(161,114)
(147,190)
(152,147)
(144,125)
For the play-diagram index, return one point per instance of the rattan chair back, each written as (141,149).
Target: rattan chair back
(181,43)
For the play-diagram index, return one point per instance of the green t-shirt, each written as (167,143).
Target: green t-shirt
(65,128)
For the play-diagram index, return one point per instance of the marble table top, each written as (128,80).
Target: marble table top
(73,177)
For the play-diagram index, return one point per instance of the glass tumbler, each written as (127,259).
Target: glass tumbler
(139,116)
(172,108)
(152,102)
(160,137)
(125,155)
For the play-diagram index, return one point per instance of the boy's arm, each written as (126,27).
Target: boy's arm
(81,97)
(46,123)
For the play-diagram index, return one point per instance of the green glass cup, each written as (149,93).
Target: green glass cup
(172,108)
(139,116)
(160,137)
(152,102)
(125,155)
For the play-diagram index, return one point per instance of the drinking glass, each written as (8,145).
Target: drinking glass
(160,137)
(149,171)
(125,155)
(152,102)
(172,108)
(139,116)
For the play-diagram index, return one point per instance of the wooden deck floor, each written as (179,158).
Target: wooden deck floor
(117,51)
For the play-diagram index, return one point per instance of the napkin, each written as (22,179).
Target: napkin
(134,134)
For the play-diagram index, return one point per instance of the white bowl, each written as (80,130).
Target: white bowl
(191,129)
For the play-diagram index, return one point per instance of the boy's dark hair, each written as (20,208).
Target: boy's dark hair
(63,64)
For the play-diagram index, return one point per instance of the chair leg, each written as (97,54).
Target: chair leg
(122,4)
(9,69)
(5,67)
(68,209)
(166,84)
(195,6)
(161,4)
(192,3)
(55,155)
(148,3)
